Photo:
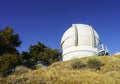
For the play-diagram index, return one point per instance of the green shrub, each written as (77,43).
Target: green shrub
(94,63)
(77,64)
(38,66)
(21,69)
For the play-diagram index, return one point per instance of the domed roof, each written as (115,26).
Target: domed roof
(78,41)
(80,34)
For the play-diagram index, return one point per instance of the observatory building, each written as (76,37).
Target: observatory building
(81,40)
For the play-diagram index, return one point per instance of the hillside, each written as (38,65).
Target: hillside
(63,73)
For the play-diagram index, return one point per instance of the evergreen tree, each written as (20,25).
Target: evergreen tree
(9,62)
(8,41)
(27,60)
(9,55)
(44,54)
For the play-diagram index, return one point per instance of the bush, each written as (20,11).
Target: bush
(94,63)
(77,64)
(21,69)
(38,66)
(8,62)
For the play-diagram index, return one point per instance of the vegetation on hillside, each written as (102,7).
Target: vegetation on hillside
(11,58)
(9,41)
(65,73)
(28,67)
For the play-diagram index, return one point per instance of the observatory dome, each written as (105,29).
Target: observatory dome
(78,41)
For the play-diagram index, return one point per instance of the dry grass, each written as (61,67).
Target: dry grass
(62,73)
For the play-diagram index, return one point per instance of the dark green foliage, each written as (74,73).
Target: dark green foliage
(8,62)
(27,60)
(35,49)
(30,63)
(44,54)
(94,63)
(40,53)
(9,41)
(10,57)
(25,55)
(77,64)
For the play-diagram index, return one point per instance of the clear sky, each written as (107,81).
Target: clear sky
(47,20)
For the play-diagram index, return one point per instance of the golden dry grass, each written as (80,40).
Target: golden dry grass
(62,73)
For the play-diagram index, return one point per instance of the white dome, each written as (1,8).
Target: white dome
(78,41)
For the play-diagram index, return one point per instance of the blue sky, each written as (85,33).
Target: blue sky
(47,20)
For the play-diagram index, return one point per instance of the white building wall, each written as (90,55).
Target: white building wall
(85,37)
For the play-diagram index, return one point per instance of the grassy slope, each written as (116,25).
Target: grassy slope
(62,73)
